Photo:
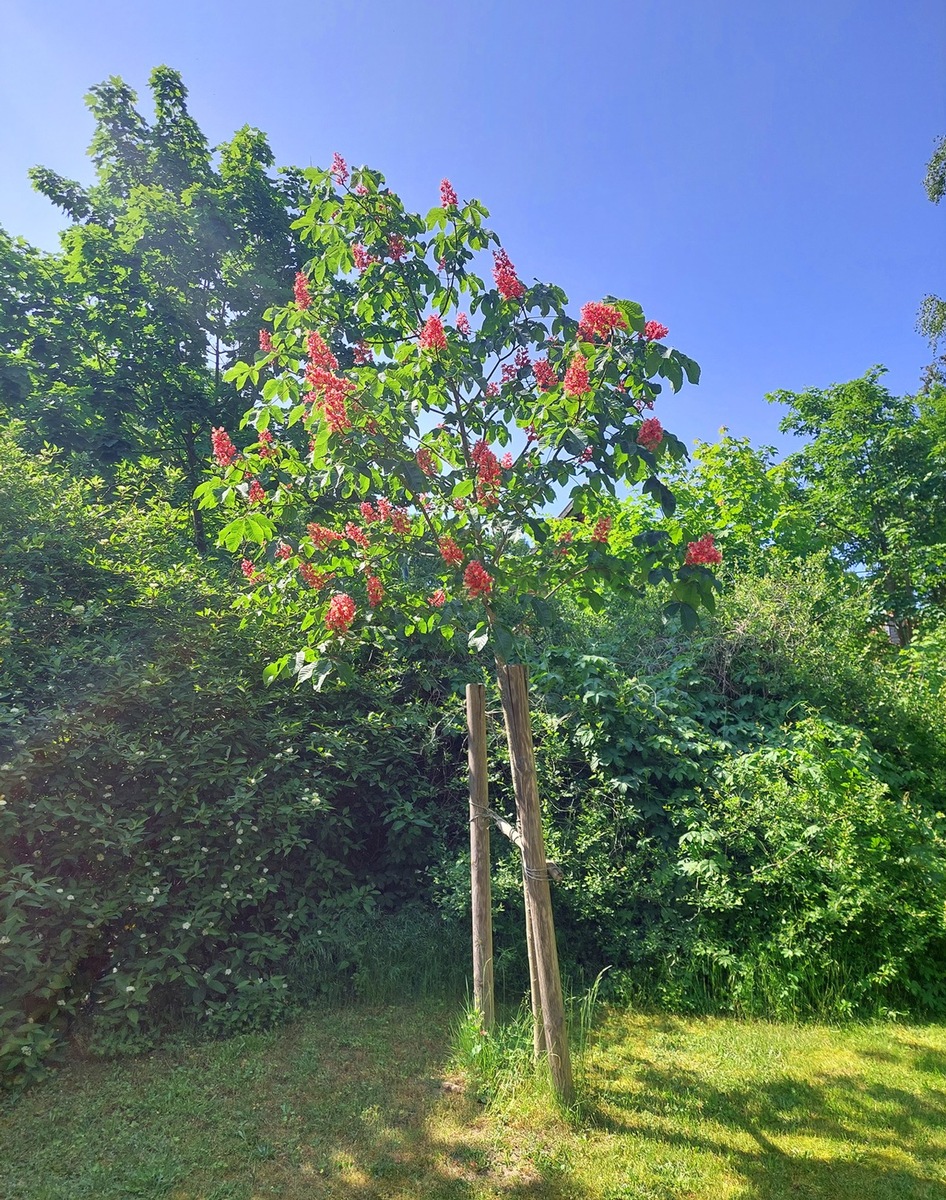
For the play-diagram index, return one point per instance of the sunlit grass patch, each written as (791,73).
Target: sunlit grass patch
(367,1102)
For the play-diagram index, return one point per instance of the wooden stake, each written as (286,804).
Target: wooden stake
(539,1048)
(514,688)
(479,855)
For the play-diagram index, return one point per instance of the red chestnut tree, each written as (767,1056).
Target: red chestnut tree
(416,432)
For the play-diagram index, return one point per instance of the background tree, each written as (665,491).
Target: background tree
(873,482)
(171,255)
(931,319)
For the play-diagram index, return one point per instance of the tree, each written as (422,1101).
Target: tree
(171,256)
(755,503)
(931,319)
(873,480)
(371,498)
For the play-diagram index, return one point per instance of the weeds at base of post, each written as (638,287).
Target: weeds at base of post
(499,1065)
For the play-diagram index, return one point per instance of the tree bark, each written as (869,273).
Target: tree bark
(483,995)
(514,689)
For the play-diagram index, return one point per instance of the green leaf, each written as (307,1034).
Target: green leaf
(662,494)
(478,638)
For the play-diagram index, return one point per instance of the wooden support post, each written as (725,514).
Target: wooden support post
(514,688)
(539,1048)
(479,855)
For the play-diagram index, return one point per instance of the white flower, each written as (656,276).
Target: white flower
(149,899)
(129,988)
(176,838)
(59,890)
(4,941)
(70,897)
(186,925)
(228,971)
(239,841)
(100,857)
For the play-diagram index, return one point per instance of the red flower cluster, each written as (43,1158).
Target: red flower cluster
(397,247)
(504,273)
(492,389)
(256,493)
(545,377)
(654,331)
(601,530)
(587,454)
(249,570)
(322,537)
(339,169)
(375,590)
(319,353)
(301,290)
(477,580)
(450,552)
(425,460)
(265,341)
(333,393)
(432,336)
(650,434)
(363,259)
(363,354)
(448,197)
(385,508)
(564,542)
(507,461)
(522,358)
(600,320)
(463,324)
(266,446)
(341,613)
(283,550)
(361,190)
(703,552)
(315,579)
(400,522)
(224,450)
(576,377)
(356,534)
(488,474)
(367,512)
(438,599)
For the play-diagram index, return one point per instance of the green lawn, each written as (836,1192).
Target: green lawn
(351,1103)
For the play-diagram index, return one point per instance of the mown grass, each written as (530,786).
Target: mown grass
(352,1103)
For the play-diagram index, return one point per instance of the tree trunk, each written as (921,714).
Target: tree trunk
(191,473)
(479,855)
(514,689)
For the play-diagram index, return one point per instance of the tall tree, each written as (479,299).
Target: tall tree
(172,256)
(873,478)
(931,319)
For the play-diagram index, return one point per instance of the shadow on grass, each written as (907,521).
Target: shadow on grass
(347,1104)
(828,1137)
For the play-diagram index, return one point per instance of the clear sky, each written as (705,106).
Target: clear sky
(750,170)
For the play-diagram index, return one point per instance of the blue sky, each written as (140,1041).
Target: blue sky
(750,171)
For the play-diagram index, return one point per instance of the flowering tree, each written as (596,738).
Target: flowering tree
(417,430)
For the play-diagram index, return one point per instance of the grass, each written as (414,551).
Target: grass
(352,1103)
